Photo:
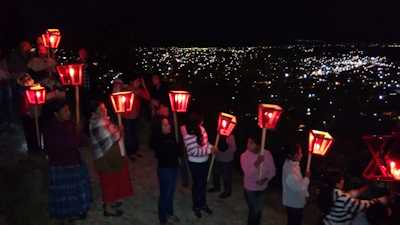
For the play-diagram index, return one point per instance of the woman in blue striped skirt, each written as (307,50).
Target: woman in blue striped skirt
(69,185)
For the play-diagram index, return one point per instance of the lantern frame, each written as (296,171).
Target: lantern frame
(319,142)
(67,74)
(269,115)
(179,100)
(122,101)
(36,95)
(226,124)
(51,39)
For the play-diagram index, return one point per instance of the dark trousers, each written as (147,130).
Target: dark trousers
(167,181)
(6,108)
(131,136)
(294,216)
(184,171)
(199,175)
(255,202)
(28,125)
(223,170)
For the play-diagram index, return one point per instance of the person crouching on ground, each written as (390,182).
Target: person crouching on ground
(167,153)
(295,186)
(109,162)
(254,187)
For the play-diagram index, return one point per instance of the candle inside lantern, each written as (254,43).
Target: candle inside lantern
(394,170)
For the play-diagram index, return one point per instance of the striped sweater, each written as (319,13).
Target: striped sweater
(345,208)
(195,152)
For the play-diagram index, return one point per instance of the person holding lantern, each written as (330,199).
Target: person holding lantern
(254,187)
(110,164)
(69,185)
(339,207)
(198,150)
(223,165)
(167,152)
(138,87)
(295,186)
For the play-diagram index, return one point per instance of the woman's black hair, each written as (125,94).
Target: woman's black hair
(255,136)
(193,126)
(94,105)
(290,150)
(325,197)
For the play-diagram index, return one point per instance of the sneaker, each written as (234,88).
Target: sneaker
(174,219)
(224,195)
(213,190)
(197,212)
(207,210)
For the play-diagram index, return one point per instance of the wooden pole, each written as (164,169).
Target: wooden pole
(263,137)
(309,161)
(36,115)
(212,159)
(121,141)
(176,127)
(77,108)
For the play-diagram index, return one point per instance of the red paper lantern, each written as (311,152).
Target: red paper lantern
(51,39)
(319,142)
(36,95)
(71,74)
(179,100)
(122,101)
(268,115)
(226,124)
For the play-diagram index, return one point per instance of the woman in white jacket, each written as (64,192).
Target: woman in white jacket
(295,186)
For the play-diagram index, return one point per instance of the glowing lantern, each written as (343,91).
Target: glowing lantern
(394,171)
(51,39)
(226,124)
(71,74)
(36,95)
(319,142)
(179,100)
(122,101)
(268,115)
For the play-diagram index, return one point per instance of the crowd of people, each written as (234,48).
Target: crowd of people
(70,194)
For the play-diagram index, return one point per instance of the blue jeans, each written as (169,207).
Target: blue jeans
(131,137)
(167,180)
(199,175)
(255,202)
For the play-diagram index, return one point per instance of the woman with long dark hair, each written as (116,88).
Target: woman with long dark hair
(339,207)
(198,150)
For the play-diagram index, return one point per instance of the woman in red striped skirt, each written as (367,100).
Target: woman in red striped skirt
(110,161)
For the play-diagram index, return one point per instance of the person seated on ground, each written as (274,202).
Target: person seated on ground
(339,207)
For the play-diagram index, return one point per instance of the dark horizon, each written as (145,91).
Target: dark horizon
(157,23)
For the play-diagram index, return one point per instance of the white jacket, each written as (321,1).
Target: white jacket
(295,186)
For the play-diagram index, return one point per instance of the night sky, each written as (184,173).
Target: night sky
(199,22)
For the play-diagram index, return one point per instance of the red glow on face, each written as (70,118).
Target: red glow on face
(51,39)
(71,74)
(268,115)
(122,101)
(319,142)
(179,100)
(226,124)
(36,95)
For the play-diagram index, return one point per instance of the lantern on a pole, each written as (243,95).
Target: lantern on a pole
(51,39)
(36,96)
(72,75)
(122,102)
(319,143)
(226,124)
(268,117)
(179,101)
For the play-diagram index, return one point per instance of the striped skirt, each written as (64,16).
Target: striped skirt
(69,191)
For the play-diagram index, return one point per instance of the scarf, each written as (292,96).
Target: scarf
(103,134)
